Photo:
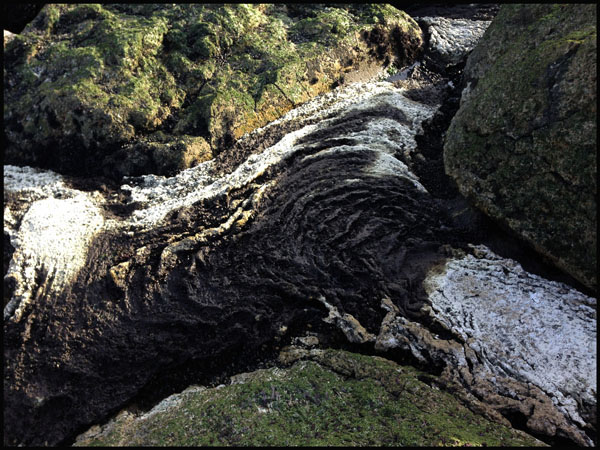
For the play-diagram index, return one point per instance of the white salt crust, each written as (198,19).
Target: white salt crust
(54,233)
(453,39)
(520,325)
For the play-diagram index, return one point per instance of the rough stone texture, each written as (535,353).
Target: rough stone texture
(521,325)
(523,145)
(326,398)
(131,89)
(524,329)
(511,344)
(51,225)
(170,281)
(453,39)
(155,196)
(318,222)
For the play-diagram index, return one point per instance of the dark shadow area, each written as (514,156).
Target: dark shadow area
(16,16)
(472,11)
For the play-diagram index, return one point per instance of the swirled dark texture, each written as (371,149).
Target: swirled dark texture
(332,226)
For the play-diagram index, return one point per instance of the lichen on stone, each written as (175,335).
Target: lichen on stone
(523,145)
(84,84)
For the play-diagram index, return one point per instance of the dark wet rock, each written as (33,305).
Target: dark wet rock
(220,279)
(523,146)
(427,85)
(119,90)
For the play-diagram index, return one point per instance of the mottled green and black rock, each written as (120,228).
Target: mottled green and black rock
(132,89)
(523,145)
(328,398)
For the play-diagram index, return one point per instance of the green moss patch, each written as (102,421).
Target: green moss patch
(85,80)
(523,144)
(336,399)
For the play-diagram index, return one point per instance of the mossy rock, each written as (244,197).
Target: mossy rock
(328,398)
(85,82)
(522,145)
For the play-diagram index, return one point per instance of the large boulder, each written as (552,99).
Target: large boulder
(522,145)
(134,89)
(130,294)
(320,229)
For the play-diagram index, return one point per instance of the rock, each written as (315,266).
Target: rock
(208,224)
(86,95)
(308,341)
(51,225)
(511,338)
(316,225)
(325,398)
(8,36)
(453,39)
(522,146)
(167,280)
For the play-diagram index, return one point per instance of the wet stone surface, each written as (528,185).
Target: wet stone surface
(342,219)
(329,219)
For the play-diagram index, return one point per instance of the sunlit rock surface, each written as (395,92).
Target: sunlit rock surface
(358,400)
(320,222)
(86,95)
(453,39)
(51,226)
(521,325)
(519,342)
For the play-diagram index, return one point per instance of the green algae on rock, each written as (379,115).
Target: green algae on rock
(326,397)
(87,87)
(523,145)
